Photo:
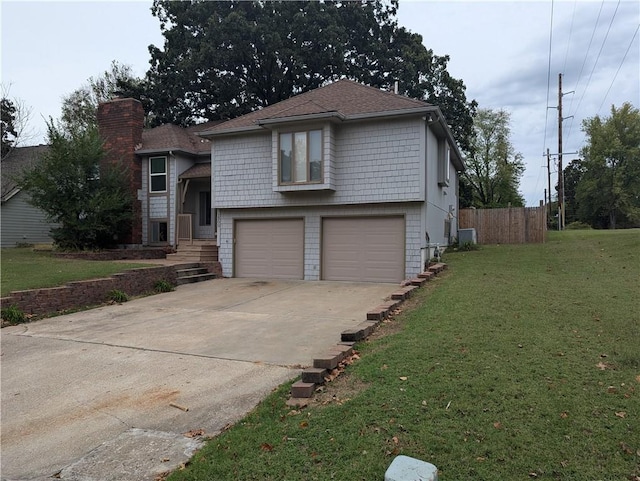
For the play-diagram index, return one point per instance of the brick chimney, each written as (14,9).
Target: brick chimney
(120,123)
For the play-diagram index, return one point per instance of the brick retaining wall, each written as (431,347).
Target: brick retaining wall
(115,254)
(80,294)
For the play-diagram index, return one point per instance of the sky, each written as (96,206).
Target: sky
(508,53)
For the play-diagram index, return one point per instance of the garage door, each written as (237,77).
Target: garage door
(363,249)
(269,248)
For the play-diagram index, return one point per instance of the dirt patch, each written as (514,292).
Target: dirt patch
(339,391)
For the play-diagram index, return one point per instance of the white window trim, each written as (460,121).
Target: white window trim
(165,174)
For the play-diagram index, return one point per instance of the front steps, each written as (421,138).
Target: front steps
(192,272)
(201,250)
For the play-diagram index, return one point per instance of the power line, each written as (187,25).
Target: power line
(584,62)
(566,54)
(604,40)
(546,116)
(619,67)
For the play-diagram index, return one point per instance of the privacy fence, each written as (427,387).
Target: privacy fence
(511,225)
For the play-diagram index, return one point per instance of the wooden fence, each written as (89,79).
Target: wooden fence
(512,225)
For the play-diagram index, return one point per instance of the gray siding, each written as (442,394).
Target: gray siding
(439,198)
(373,162)
(22,223)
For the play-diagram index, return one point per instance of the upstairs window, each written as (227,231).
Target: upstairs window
(300,157)
(444,163)
(157,174)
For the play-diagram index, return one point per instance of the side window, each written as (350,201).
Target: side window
(157,174)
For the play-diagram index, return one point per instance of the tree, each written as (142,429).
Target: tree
(573,173)
(90,201)
(14,122)
(494,169)
(80,107)
(608,193)
(9,133)
(224,59)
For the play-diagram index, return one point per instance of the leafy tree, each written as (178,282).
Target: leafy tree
(224,59)
(80,107)
(89,200)
(573,173)
(494,169)
(608,193)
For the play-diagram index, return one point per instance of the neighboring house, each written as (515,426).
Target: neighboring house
(170,174)
(21,223)
(345,182)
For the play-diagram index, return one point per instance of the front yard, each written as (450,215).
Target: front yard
(24,268)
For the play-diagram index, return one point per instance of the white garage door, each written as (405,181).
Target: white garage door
(363,249)
(271,248)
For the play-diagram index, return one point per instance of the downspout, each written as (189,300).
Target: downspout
(425,251)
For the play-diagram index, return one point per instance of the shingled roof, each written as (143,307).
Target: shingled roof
(14,164)
(169,137)
(344,100)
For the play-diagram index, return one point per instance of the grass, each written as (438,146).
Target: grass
(24,268)
(520,362)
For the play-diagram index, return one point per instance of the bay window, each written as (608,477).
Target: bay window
(300,157)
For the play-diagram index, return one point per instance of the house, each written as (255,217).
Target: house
(21,223)
(346,182)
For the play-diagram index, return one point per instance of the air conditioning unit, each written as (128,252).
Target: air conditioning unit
(467,235)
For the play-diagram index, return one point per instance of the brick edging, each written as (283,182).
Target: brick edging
(325,363)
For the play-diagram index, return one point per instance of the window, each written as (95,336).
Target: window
(159,231)
(444,163)
(205,208)
(157,174)
(300,158)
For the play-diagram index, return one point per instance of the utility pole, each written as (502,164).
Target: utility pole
(560,176)
(548,183)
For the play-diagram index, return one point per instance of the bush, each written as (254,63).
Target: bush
(118,296)
(162,286)
(468,246)
(577,225)
(13,315)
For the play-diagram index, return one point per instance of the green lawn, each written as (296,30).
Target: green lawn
(23,268)
(520,362)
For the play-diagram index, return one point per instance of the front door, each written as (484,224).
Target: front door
(204,225)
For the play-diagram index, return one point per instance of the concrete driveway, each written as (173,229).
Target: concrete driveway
(109,393)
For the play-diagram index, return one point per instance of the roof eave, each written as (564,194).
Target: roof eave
(331,116)
(207,134)
(393,113)
(441,128)
(14,191)
(165,150)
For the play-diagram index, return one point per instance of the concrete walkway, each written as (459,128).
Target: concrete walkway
(93,395)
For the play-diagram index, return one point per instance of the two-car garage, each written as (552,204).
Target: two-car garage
(364,248)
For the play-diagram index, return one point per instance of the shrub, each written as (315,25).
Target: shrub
(118,296)
(13,315)
(162,286)
(577,225)
(468,246)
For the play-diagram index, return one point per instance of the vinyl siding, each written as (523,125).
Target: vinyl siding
(373,162)
(22,223)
